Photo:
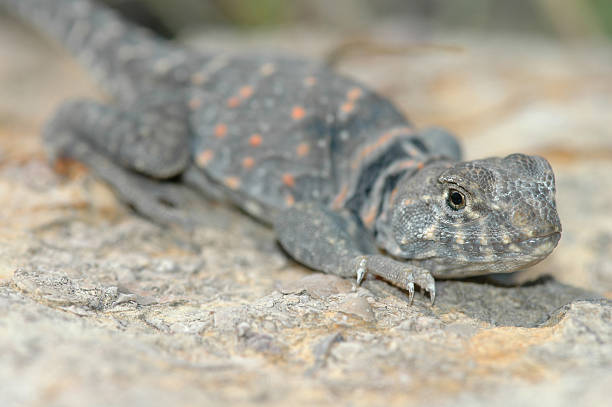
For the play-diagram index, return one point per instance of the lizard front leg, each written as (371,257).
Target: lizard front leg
(337,243)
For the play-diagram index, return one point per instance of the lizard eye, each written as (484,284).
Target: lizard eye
(455,199)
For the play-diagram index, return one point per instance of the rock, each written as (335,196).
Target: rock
(357,306)
(319,285)
(527,306)
(57,290)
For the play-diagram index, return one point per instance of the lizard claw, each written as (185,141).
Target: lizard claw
(410,287)
(425,280)
(361,271)
(395,272)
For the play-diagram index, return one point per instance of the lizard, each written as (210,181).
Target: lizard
(349,184)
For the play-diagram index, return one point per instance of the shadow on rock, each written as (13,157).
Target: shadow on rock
(529,305)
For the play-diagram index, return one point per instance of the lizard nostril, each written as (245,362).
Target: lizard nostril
(523,217)
(539,224)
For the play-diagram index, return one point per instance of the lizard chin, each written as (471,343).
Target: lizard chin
(515,256)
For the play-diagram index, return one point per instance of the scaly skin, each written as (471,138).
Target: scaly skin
(351,187)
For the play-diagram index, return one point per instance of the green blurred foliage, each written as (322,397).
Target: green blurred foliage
(565,19)
(252,13)
(602,10)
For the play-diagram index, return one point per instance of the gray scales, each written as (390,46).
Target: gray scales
(350,186)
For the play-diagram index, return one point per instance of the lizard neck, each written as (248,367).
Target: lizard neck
(373,188)
(380,202)
(385,203)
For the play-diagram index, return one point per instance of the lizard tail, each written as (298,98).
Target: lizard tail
(96,35)
(70,22)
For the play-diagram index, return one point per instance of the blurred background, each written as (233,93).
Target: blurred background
(563,19)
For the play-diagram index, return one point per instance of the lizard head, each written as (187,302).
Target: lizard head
(469,218)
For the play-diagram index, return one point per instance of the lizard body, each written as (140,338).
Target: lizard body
(350,185)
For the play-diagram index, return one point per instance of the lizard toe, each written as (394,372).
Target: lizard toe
(425,280)
(410,293)
(361,271)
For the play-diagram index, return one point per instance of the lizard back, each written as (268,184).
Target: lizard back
(271,131)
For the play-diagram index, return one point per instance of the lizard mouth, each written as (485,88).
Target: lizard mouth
(527,252)
(537,241)
(514,256)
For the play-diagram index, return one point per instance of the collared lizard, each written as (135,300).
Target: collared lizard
(349,184)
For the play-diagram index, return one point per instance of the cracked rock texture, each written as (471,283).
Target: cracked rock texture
(99,307)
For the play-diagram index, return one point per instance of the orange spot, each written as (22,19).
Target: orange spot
(392,195)
(233,102)
(310,81)
(195,102)
(407,202)
(347,107)
(255,140)
(339,199)
(420,165)
(204,157)
(232,182)
(248,162)
(267,69)
(289,200)
(370,216)
(288,180)
(220,130)
(246,92)
(354,94)
(302,149)
(298,113)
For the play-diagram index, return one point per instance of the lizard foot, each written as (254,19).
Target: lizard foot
(402,275)
(425,280)
(164,202)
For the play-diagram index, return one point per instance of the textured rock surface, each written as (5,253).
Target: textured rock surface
(99,307)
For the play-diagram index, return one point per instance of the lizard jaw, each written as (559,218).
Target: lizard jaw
(514,257)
